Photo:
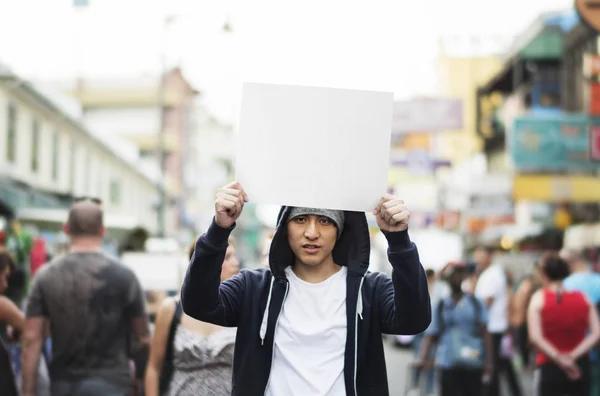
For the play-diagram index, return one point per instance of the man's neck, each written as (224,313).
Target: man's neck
(580,268)
(457,295)
(315,273)
(85,245)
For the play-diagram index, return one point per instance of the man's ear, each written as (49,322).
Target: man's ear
(103,232)
(66,228)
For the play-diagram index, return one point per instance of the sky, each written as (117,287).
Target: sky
(383,45)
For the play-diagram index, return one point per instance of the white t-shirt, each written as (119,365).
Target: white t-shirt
(310,339)
(492,283)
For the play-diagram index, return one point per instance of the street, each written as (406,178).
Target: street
(397,360)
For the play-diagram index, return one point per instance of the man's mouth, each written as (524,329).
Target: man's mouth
(310,248)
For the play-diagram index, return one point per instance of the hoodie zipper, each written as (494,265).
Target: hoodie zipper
(357,316)
(287,285)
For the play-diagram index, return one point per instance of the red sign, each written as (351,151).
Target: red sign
(595,142)
(594,99)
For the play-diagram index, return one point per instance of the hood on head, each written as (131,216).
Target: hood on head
(352,248)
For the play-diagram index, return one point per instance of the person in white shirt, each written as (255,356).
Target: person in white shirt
(491,288)
(312,323)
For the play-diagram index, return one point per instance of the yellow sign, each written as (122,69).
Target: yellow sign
(549,188)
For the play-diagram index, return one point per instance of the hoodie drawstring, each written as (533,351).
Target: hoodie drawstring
(359,310)
(263,325)
(359,304)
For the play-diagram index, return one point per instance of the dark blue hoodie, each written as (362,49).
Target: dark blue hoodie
(253,299)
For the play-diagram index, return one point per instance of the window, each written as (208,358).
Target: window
(115,192)
(11,137)
(72,167)
(55,148)
(35,145)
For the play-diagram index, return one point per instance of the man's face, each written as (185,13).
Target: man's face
(482,258)
(231,265)
(457,278)
(312,238)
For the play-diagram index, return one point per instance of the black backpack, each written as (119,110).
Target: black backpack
(166,373)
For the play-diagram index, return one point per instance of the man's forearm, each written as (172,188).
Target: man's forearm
(30,358)
(200,289)
(411,290)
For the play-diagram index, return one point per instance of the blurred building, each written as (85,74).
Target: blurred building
(210,164)
(537,120)
(48,157)
(157,116)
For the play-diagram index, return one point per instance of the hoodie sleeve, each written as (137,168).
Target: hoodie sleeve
(203,296)
(404,299)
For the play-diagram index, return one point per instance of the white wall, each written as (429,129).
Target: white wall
(95,167)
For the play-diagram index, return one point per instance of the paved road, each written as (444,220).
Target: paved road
(397,364)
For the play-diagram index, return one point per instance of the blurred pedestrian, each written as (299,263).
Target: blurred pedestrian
(491,287)
(464,354)
(189,357)
(418,340)
(11,318)
(584,280)
(94,306)
(313,323)
(558,321)
(520,303)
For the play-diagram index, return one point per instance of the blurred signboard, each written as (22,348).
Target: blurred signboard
(591,65)
(595,143)
(593,90)
(552,143)
(427,115)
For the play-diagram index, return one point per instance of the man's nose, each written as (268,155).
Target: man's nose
(312,229)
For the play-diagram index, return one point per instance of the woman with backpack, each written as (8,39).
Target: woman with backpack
(189,357)
(459,329)
(564,327)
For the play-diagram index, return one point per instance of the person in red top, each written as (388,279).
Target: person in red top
(563,326)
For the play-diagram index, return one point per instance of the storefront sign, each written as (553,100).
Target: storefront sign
(557,189)
(595,143)
(591,65)
(427,115)
(552,143)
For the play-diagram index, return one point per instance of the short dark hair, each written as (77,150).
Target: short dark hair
(429,273)
(554,267)
(6,260)
(85,219)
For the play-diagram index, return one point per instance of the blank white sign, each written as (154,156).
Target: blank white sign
(315,147)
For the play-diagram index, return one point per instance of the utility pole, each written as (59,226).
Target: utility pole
(161,146)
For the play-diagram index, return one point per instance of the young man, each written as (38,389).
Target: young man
(312,324)
(94,306)
(491,287)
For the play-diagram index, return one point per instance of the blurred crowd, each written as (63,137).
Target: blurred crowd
(487,326)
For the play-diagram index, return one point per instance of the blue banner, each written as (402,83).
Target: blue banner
(552,143)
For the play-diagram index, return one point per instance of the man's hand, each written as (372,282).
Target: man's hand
(391,214)
(229,204)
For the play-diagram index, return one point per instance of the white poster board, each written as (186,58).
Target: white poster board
(315,147)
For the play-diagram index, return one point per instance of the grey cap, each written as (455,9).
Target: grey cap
(337,216)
